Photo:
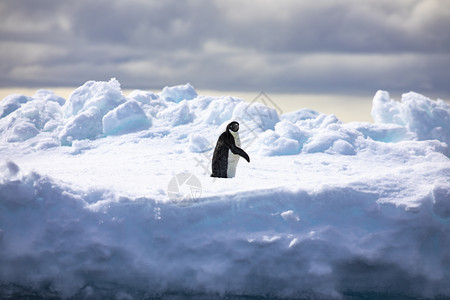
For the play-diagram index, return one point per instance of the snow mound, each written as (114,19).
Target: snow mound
(143,97)
(273,144)
(86,108)
(256,116)
(178,93)
(30,116)
(48,95)
(11,103)
(220,110)
(388,133)
(126,118)
(180,114)
(426,118)
(102,95)
(289,130)
(85,125)
(99,109)
(22,131)
(333,139)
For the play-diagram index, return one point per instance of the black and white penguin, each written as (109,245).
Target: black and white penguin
(227,152)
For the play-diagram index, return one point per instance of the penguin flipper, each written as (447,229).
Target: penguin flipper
(238,151)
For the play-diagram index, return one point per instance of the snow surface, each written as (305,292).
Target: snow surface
(108,196)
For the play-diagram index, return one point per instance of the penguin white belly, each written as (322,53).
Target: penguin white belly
(232,158)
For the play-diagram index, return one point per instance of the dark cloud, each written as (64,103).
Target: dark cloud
(282,46)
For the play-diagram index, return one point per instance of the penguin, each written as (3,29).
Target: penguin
(227,152)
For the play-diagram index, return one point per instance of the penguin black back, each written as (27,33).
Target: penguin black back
(226,143)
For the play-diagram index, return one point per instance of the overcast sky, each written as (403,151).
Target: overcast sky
(317,46)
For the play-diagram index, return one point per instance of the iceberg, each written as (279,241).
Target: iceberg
(325,209)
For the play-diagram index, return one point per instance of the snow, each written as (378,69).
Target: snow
(198,143)
(126,118)
(178,115)
(272,144)
(290,215)
(102,95)
(426,118)
(178,93)
(110,196)
(11,103)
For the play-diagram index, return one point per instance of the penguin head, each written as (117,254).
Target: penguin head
(233,126)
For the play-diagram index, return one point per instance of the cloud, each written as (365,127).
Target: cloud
(293,46)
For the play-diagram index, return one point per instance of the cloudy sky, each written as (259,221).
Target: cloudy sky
(318,46)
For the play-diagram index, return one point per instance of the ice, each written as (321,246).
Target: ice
(273,144)
(11,103)
(99,109)
(178,114)
(48,95)
(299,115)
(143,97)
(426,118)
(384,132)
(126,118)
(256,116)
(341,147)
(150,102)
(340,240)
(288,130)
(325,209)
(179,93)
(85,125)
(333,138)
(102,95)
(23,131)
(40,113)
(385,110)
(220,110)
